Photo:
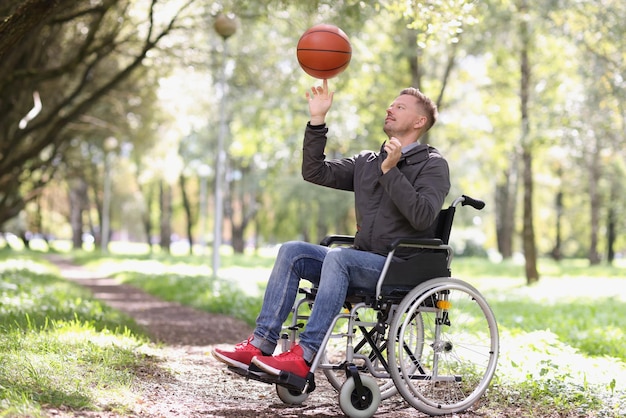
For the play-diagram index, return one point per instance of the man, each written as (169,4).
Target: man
(398,193)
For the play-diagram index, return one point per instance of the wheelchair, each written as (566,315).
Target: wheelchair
(423,334)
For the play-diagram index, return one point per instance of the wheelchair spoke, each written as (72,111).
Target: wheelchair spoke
(458,344)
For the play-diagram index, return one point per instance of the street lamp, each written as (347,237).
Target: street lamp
(225,26)
(109,146)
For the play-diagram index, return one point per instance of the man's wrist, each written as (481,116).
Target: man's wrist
(317,120)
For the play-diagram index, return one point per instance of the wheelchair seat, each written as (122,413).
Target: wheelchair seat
(399,276)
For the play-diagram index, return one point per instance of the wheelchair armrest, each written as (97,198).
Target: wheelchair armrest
(415,242)
(337,239)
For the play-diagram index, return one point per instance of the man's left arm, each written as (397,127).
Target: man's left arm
(422,201)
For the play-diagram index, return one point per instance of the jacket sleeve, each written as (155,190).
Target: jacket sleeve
(334,173)
(421,202)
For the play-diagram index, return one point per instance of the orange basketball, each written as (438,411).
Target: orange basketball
(324,51)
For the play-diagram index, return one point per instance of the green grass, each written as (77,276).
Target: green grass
(189,279)
(561,341)
(58,347)
(584,306)
(201,292)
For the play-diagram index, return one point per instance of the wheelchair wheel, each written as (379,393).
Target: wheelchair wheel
(457,351)
(359,405)
(364,357)
(290,396)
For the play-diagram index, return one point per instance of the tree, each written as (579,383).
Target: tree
(70,58)
(266,118)
(528,230)
(466,54)
(24,17)
(597,139)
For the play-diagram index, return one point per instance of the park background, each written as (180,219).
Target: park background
(112,113)
(132,101)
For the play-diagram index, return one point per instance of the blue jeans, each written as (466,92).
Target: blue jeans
(335,271)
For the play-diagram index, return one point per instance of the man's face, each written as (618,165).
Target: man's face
(403,116)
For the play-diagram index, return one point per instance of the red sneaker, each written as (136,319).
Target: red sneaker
(240,356)
(290,361)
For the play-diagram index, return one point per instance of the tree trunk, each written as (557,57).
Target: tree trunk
(241,206)
(612,216)
(528,233)
(77,193)
(414,56)
(506,204)
(146,192)
(238,241)
(166,216)
(188,212)
(596,204)
(611,235)
(556,251)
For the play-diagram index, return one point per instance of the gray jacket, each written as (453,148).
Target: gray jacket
(404,202)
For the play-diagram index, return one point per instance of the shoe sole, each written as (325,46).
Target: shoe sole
(264,367)
(229,361)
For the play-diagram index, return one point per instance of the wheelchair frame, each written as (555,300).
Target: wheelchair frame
(413,346)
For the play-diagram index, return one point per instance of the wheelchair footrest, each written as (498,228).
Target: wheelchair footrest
(288,380)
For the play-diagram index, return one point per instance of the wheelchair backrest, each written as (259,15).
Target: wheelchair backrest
(444,224)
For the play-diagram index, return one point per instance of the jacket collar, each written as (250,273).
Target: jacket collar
(410,147)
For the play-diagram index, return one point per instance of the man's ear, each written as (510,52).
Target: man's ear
(420,122)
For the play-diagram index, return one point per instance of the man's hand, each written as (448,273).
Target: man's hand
(394,152)
(320,100)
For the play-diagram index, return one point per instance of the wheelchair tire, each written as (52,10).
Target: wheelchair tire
(356,406)
(290,396)
(457,351)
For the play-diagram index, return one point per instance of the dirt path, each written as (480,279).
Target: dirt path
(189,382)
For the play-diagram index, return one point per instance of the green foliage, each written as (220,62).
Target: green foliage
(540,395)
(435,20)
(463,53)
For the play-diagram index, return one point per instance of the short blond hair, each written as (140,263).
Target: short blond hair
(425,103)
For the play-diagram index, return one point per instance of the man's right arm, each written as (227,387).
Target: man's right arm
(337,173)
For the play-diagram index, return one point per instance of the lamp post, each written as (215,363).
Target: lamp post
(109,146)
(225,26)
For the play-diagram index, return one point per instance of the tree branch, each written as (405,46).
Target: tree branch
(27,16)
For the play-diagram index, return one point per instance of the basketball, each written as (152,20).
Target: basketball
(324,51)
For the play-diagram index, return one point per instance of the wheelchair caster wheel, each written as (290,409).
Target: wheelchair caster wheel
(291,396)
(363,404)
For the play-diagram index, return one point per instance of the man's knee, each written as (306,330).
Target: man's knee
(291,249)
(335,258)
